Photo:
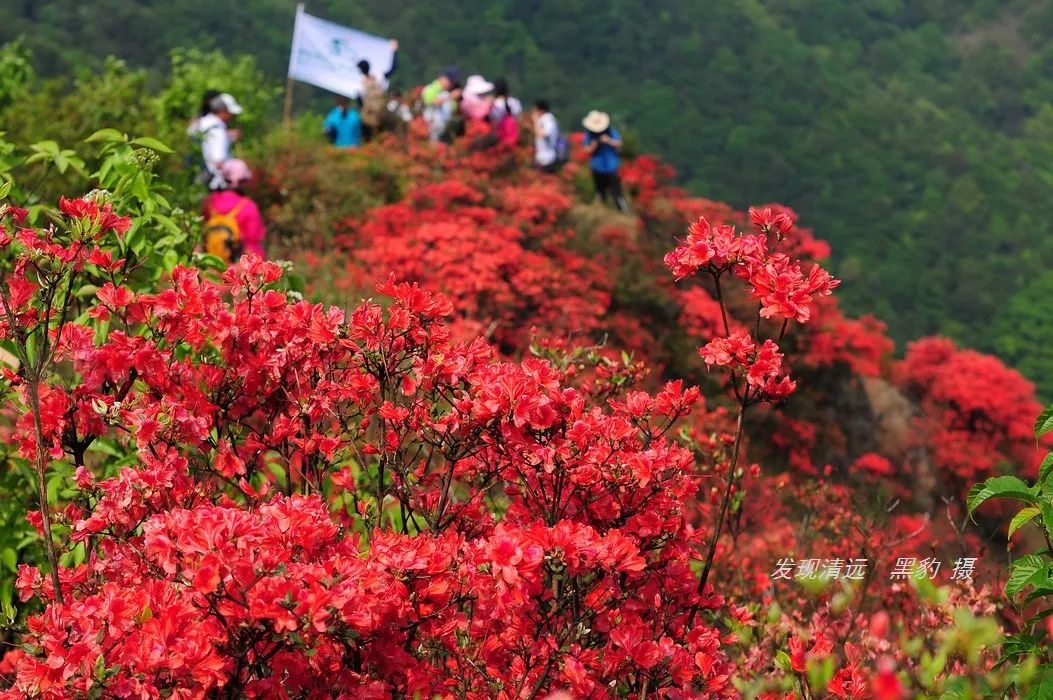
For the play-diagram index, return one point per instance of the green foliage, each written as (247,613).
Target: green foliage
(16,72)
(1000,487)
(330,186)
(1022,333)
(160,229)
(1029,585)
(67,111)
(194,71)
(18,540)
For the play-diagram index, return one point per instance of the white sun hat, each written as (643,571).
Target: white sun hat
(225,101)
(596,121)
(478,85)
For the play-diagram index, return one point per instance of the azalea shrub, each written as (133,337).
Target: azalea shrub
(323,500)
(556,452)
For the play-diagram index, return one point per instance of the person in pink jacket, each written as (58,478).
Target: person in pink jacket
(250,223)
(476,99)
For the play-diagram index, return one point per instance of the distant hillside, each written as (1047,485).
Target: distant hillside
(917,134)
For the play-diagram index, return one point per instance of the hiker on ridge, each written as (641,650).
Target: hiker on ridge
(550,147)
(504,115)
(217,137)
(439,98)
(476,98)
(233,224)
(374,95)
(192,129)
(603,143)
(343,126)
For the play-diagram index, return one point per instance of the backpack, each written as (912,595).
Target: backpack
(562,148)
(223,234)
(374,104)
(507,127)
(194,161)
(508,130)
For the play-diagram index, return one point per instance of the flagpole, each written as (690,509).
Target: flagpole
(287,112)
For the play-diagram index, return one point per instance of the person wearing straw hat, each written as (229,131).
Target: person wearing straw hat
(602,143)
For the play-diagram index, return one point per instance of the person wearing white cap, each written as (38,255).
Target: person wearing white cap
(216,137)
(602,142)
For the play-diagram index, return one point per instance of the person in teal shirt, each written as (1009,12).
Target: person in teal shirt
(343,125)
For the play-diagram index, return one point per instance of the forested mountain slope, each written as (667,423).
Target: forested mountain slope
(916,134)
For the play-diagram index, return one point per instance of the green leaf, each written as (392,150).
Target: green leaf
(74,162)
(1046,468)
(152,143)
(1022,518)
(46,147)
(141,189)
(9,558)
(782,661)
(106,447)
(78,554)
(106,135)
(1042,589)
(1017,645)
(1046,508)
(7,596)
(207,262)
(1043,690)
(296,282)
(1044,423)
(134,238)
(999,487)
(1027,570)
(5,189)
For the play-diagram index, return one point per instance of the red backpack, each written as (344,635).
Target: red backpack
(507,128)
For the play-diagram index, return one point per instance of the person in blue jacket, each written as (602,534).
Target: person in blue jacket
(343,126)
(603,143)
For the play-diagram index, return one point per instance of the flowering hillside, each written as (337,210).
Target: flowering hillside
(555,452)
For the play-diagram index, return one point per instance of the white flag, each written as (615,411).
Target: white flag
(326,54)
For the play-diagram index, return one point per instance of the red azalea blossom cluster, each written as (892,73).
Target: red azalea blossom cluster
(773,279)
(206,571)
(976,414)
(762,365)
(100,216)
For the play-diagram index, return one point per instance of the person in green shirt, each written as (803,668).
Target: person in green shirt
(439,98)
